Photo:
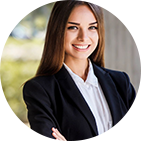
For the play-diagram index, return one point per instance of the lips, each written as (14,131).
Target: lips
(81,47)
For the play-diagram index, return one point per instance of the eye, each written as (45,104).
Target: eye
(72,27)
(93,28)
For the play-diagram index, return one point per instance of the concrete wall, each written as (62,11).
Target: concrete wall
(121,52)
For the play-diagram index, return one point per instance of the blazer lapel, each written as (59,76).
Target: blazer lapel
(70,89)
(110,92)
(109,89)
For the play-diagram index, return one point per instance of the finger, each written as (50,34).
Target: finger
(57,132)
(58,135)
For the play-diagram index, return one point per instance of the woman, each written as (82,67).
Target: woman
(72,96)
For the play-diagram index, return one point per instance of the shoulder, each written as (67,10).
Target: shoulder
(122,84)
(39,83)
(119,78)
(40,80)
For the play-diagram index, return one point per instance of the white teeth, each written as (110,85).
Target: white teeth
(81,47)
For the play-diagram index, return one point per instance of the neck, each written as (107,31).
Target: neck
(79,67)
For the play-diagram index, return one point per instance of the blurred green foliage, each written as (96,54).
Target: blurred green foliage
(21,55)
(13,75)
(20,60)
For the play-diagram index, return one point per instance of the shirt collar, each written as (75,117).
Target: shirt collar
(91,78)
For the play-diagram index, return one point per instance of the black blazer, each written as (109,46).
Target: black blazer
(55,101)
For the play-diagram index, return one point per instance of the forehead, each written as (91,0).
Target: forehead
(81,13)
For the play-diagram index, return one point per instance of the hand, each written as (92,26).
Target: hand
(56,134)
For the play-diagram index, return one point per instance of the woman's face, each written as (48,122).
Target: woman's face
(81,36)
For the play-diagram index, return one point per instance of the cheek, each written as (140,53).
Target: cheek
(95,38)
(69,38)
(67,41)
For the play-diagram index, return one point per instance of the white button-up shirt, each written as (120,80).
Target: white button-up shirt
(93,95)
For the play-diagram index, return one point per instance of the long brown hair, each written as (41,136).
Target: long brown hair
(54,52)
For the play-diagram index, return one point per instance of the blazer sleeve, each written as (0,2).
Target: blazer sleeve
(124,87)
(40,109)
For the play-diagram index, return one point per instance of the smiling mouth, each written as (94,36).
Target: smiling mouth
(81,47)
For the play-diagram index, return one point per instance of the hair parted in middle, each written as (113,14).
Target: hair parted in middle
(54,51)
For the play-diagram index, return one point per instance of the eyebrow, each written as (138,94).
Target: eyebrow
(79,23)
(93,23)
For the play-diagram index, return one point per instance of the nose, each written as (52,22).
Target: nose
(82,35)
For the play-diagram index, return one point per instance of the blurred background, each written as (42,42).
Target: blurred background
(23,50)
(21,55)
